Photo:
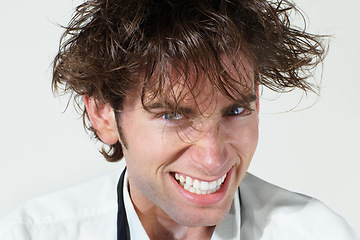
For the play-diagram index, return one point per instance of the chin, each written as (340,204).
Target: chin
(199,218)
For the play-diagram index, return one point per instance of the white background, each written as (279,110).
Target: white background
(314,151)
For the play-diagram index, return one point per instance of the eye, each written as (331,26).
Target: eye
(172,116)
(235,111)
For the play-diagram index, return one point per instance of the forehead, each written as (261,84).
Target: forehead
(182,83)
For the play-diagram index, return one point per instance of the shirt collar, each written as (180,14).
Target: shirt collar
(228,229)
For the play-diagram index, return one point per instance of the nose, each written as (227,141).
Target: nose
(209,151)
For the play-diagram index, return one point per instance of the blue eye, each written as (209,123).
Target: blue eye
(172,116)
(236,111)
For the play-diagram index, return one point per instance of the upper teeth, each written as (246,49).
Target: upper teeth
(197,186)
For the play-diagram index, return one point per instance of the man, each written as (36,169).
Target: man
(172,89)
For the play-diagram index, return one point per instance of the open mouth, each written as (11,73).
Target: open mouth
(199,187)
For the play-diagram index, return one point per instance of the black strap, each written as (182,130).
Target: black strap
(122,224)
(241,208)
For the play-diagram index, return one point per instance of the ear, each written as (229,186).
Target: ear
(102,119)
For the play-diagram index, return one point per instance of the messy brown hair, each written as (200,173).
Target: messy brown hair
(112,47)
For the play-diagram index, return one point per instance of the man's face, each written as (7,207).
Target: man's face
(212,151)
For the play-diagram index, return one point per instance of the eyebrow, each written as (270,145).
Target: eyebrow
(249,97)
(190,111)
(252,98)
(168,105)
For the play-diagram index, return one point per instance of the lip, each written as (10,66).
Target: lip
(207,199)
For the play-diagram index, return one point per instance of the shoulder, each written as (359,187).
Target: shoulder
(268,210)
(67,214)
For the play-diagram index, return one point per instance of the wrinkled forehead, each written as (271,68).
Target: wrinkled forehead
(184,83)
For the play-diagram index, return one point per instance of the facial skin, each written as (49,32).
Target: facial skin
(221,139)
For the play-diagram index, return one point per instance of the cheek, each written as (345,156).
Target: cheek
(153,146)
(150,147)
(139,137)
(244,146)
(244,137)
(250,139)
